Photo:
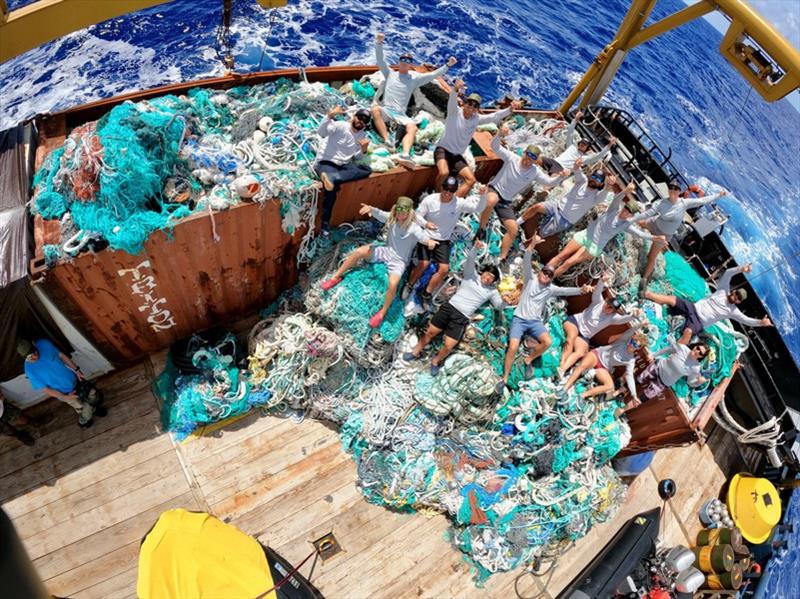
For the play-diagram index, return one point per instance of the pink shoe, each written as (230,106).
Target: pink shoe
(376,320)
(330,283)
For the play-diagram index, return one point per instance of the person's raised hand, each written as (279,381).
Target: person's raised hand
(379,37)
(452,61)
(365,209)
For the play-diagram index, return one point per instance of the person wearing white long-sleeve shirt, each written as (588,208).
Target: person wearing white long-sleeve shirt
(591,242)
(459,127)
(564,213)
(439,214)
(679,361)
(517,174)
(342,143)
(581,327)
(664,217)
(403,234)
(538,290)
(477,287)
(622,352)
(720,305)
(580,148)
(397,89)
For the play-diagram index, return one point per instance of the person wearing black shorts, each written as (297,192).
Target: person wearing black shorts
(438,213)
(455,162)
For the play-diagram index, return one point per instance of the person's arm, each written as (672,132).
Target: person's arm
(565,291)
(469,264)
(571,129)
(58,394)
(379,215)
(639,232)
(697,202)
(494,117)
(546,180)
(325,127)
(71,365)
(645,215)
(739,316)
(498,148)
(527,269)
(597,294)
(452,101)
(724,281)
(421,234)
(630,380)
(672,347)
(379,56)
(597,156)
(580,176)
(422,79)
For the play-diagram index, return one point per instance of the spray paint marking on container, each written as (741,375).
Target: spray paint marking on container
(144,285)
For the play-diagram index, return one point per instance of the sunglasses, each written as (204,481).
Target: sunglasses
(473,103)
(548,273)
(635,344)
(598,178)
(531,155)
(406,59)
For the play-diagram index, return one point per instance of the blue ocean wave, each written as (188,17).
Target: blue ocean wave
(678,86)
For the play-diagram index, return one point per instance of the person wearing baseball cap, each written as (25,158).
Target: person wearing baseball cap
(517,175)
(342,143)
(439,214)
(720,305)
(459,127)
(478,285)
(403,234)
(580,148)
(398,87)
(590,243)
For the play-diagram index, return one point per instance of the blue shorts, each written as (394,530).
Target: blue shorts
(519,327)
(552,220)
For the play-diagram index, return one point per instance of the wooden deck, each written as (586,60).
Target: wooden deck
(82,500)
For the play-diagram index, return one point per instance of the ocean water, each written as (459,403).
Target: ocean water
(678,86)
(783,583)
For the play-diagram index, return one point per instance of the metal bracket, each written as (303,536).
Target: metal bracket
(327,546)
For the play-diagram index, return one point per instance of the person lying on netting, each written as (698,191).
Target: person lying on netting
(604,359)
(477,287)
(720,305)
(516,175)
(537,291)
(459,127)
(590,243)
(564,213)
(397,90)
(54,372)
(342,142)
(403,234)
(580,328)
(580,148)
(680,360)
(439,214)
(664,217)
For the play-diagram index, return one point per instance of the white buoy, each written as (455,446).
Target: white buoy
(247,186)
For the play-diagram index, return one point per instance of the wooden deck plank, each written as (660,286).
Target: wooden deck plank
(117,587)
(97,571)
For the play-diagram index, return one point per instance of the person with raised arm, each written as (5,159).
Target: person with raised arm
(579,148)
(678,361)
(398,87)
(403,234)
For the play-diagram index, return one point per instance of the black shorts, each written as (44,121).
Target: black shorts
(455,162)
(551,166)
(503,208)
(440,254)
(451,321)
(689,312)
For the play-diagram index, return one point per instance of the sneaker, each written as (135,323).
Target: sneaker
(24,437)
(407,289)
(330,283)
(326,182)
(404,160)
(100,411)
(325,229)
(426,299)
(86,424)
(376,320)
(500,387)
(409,356)
(435,368)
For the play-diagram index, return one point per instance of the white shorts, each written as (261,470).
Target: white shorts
(390,115)
(382,253)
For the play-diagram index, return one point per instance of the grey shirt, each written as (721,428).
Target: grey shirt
(534,296)
(581,198)
(472,294)
(445,215)
(402,240)
(568,157)
(604,228)
(617,354)
(340,143)
(458,131)
(514,178)
(399,87)
(668,215)
(678,364)
(593,319)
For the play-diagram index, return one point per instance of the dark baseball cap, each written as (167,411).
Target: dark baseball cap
(363,115)
(450,184)
(673,185)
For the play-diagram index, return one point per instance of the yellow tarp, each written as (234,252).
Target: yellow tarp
(195,555)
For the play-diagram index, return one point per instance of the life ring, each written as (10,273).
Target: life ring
(694,190)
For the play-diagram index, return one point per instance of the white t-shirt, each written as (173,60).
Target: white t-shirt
(458,131)
(340,143)
(445,215)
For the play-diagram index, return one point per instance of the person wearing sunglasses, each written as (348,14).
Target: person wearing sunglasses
(439,214)
(398,87)
(565,212)
(342,143)
(604,359)
(721,305)
(459,127)
(579,148)
(679,361)
(580,328)
(477,287)
(516,176)
(664,217)
(403,234)
(536,294)
(590,243)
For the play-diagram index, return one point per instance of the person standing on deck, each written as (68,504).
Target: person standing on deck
(397,90)
(581,327)
(664,217)
(403,235)
(681,361)
(564,213)
(536,293)
(56,374)
(441,211)
(721,304)
(591,242)
(342,143)
(604,360)
(459,127)
(566,160)
(516,175)
(477,287)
